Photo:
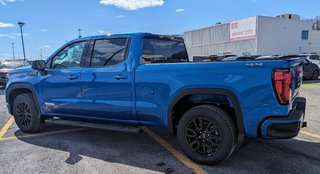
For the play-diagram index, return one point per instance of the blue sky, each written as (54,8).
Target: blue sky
(49,23)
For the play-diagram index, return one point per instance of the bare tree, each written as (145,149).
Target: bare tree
(316,23)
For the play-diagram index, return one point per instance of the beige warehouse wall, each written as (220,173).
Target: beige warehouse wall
(215,41)
(282,36)
(315,42)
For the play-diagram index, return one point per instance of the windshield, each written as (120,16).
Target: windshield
(11,65)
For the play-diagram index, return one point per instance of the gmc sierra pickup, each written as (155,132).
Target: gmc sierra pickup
(123,82)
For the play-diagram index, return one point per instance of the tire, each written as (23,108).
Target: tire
(315,75)
(217,134)
(26,114)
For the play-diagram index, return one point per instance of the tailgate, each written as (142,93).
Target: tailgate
(297,74)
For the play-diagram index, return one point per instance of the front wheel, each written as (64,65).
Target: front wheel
(315,75)
(207,134)
(26,113)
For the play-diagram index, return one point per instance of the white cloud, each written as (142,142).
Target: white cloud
(43,30)
(46,46)
(6,54)
(101,31)
(5,25)
(4,35)
(133,4)
(120,16)
(5,2)
(12,35)
(180,10)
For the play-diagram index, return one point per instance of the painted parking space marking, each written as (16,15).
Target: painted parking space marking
(182,158)
(310,134)
(5,128)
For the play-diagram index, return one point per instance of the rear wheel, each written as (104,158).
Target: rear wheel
(207,134)
(26,113)
(315,75)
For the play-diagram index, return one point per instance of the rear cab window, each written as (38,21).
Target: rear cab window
(109,52)
(163,49)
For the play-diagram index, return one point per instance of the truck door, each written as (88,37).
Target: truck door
(60,87)
(106,83)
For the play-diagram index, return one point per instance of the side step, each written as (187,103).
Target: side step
(111,127)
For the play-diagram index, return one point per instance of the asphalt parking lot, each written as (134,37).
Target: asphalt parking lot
(58,149)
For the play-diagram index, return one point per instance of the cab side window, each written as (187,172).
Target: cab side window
(108,52)
(314,57)
(69,57)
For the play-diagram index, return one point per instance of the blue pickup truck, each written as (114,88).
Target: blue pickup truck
(126,81)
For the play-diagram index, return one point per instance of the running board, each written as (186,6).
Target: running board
(111,127)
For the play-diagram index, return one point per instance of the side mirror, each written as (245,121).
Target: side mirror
(305,61)
(39,65)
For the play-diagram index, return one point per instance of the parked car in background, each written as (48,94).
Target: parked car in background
(255,56)
(312,58)
(237,58)
(9,65)
(310,70)
(205,58)
(267,57)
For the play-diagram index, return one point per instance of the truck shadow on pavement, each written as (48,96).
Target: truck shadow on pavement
(137,151)
(140,151)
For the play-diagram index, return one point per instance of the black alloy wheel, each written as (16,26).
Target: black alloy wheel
(203,136)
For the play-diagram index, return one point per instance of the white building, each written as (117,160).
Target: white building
(259,35)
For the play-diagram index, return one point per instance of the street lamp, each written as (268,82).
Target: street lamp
(13,53)
(79,30)
(21,24)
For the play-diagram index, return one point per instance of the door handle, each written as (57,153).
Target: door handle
(72,77)
(120,77)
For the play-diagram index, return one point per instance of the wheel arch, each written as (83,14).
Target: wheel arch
(209,91)
(15,89)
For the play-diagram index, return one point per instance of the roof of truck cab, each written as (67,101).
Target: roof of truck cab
(121,35)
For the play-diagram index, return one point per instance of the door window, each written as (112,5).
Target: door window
(69,57)
(108,52)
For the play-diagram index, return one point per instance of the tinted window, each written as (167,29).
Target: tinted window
(314,57)
(305,35)
(163,51)
(109,52)
(69,57)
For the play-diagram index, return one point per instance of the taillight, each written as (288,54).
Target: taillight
(282,80)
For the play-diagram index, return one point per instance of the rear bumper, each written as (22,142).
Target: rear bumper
(288,126)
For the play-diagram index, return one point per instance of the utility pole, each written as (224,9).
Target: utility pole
(79,30)
(41,54)
(21,24)
(13,53)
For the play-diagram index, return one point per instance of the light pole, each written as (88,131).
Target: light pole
(79,30)
(21,24)
(41,53)
(13,53)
